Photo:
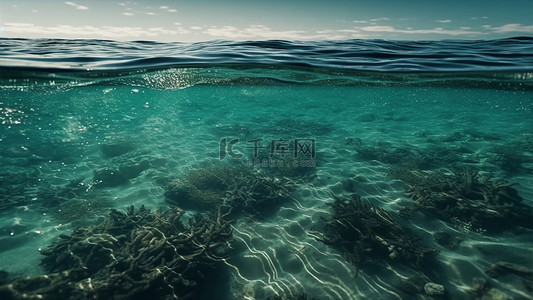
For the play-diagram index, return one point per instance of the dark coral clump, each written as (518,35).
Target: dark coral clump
(365,233)
(239,187)
(201,188)
(467,197)
(132,255)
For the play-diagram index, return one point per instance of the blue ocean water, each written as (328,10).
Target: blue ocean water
(436,136)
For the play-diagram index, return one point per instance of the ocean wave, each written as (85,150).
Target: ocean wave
(53,55)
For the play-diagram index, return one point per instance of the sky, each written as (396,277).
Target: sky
(202,20)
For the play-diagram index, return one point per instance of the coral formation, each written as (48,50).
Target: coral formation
(364,233)
(240,187)
(434,289)
(467,197)
(131,255)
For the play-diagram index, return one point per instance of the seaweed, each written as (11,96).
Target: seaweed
(365,233)
(467,197)
(131,255)
(240,187)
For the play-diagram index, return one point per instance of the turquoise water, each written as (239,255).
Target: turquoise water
(76,143)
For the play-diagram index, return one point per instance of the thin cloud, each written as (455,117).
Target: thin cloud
(262,32)
(129,14)
(113,32)
(77,6)
(444,21)
(390,29)
(513,28)
(379,19)
(21,25)
(359,21)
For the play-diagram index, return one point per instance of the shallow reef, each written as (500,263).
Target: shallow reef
(74,201)
(132,255)
(466,197)
(518,276)
(123,165)
(367,234)
(387,153)
(298,128)
(433,156)
(237,186)
(302,296)
(513,157)
(17,188)
(116,148)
